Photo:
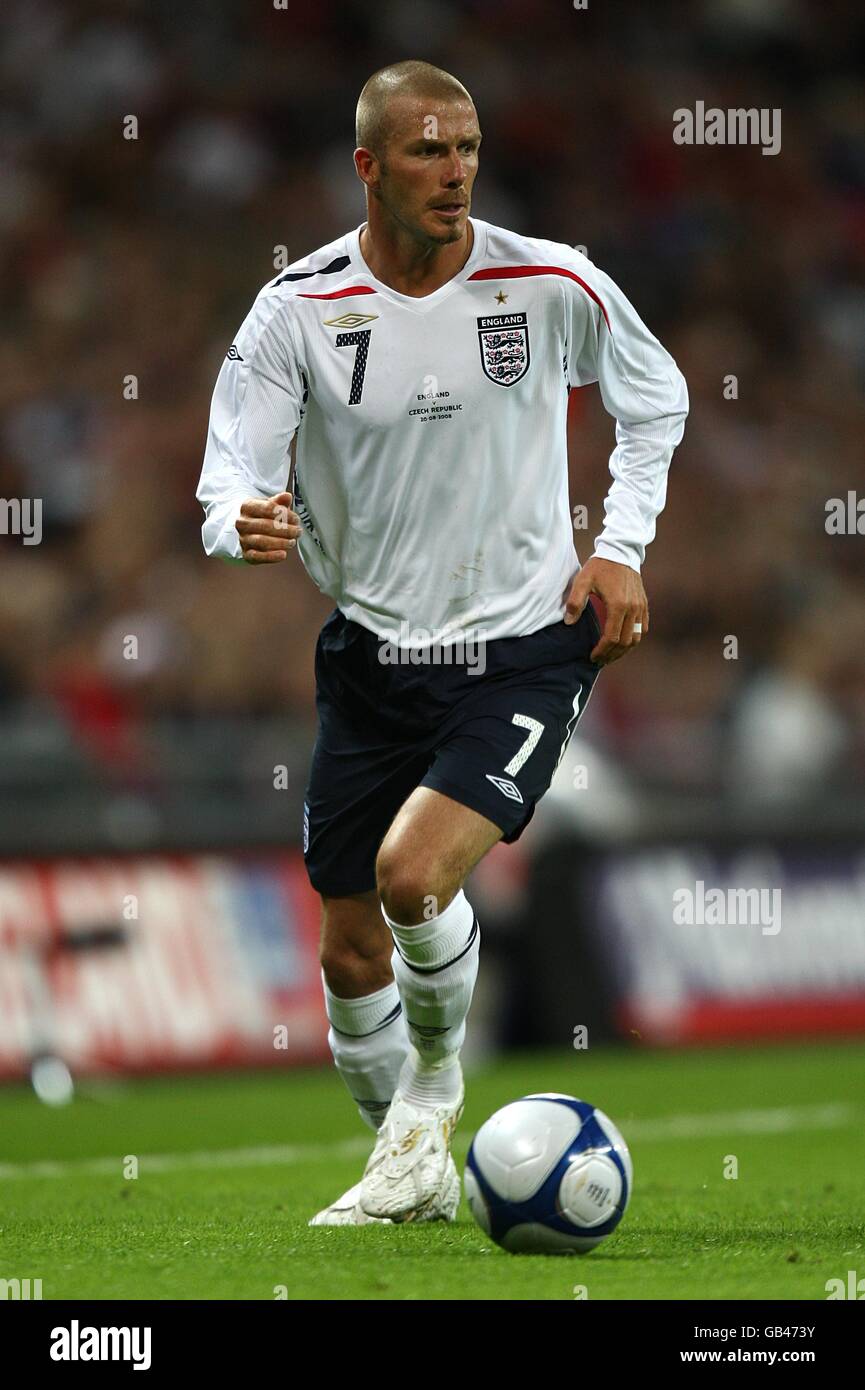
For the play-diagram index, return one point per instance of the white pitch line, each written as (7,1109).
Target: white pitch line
(777,1121)
(207,1158)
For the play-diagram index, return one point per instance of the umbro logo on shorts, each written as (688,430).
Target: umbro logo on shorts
(233,355)
(510,789)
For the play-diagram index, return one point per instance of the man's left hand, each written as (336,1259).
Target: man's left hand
(621,591)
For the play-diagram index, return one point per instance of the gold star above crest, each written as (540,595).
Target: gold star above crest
(501,298)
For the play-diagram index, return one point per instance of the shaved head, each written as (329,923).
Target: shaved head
(418,141)
(388,91)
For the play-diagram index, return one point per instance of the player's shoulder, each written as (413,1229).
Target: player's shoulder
(320,272)
(511,254)
(506,248)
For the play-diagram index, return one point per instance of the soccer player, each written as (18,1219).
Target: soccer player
(420,366)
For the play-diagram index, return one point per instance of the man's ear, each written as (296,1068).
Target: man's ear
(366,166)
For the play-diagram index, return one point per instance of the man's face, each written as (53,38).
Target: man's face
(428,167)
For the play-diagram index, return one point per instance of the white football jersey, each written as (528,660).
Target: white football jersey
(431,462)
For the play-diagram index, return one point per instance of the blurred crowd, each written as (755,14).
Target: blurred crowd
(128,264)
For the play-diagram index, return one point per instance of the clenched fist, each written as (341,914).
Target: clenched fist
(268,529)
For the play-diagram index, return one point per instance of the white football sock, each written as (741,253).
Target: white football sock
(435,965)
(430,1083)
(369,1042)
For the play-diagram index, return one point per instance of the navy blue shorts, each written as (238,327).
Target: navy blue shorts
(490,740)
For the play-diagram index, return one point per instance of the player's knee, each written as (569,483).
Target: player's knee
(410,891)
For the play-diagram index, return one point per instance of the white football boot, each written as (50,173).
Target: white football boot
(407,1168)
(347,1210)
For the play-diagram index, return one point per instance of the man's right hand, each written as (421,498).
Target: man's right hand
(268,529)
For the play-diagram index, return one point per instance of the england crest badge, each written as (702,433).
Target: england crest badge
(504,341)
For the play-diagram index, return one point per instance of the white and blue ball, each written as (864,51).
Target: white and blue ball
(548,1175)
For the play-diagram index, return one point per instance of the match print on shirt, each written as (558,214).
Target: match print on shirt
(504,340)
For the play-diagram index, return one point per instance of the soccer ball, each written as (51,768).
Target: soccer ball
(548,1175)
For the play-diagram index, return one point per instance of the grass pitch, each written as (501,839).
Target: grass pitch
(230,1168)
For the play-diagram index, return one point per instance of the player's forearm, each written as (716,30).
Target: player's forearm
(218,532)
(647,396)
(254,414)
(639,466)
(221,493)
(222,489)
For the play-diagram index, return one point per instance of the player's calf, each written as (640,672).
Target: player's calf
(367,1035)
